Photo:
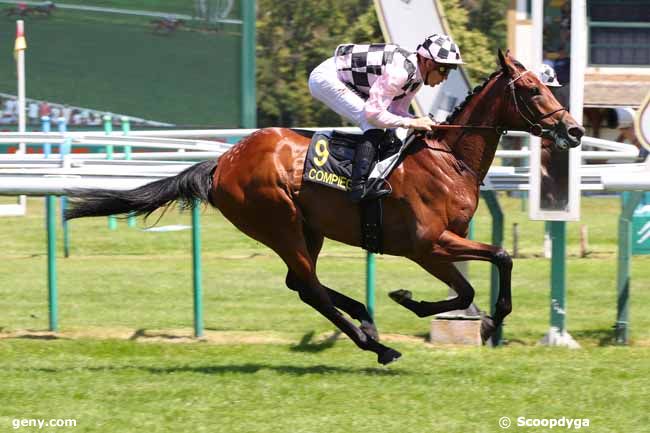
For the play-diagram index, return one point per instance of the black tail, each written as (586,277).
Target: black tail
(191,183)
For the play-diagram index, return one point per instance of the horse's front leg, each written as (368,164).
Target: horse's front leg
(458,248)
(453,248)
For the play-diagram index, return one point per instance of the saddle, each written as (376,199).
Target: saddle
(329,163)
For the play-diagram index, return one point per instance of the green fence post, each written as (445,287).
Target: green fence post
(126,129)
(492,202)
(65,149)
(50,208)
(108,129)
(249,104)
(370,284)
(558,275)
(196,267)
(629,202)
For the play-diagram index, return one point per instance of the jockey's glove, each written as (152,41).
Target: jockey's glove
(420,123)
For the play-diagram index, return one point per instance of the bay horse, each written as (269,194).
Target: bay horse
(257,185)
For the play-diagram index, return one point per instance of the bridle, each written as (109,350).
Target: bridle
(534,126)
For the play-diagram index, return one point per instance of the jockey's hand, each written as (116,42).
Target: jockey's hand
(421,123)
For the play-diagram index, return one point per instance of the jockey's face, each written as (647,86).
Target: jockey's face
(435,73)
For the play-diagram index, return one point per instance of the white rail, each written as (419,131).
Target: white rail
(178,139)
(35,175)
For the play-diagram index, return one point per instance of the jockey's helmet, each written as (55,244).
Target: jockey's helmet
(548,76)
(441,49)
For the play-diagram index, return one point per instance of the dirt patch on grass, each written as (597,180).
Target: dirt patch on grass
(186,336)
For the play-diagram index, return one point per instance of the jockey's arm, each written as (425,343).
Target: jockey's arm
(378,109)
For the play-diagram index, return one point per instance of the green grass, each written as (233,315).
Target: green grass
(115,63)
(129,387)
(129,280)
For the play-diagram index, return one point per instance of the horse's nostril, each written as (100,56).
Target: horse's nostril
(576,132)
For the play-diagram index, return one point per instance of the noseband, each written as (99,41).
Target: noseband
(534,127)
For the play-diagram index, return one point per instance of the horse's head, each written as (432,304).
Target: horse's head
(532,106)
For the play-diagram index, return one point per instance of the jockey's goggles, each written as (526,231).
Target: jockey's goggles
(445,69)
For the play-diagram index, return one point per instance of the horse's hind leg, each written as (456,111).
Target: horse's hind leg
(351,306)
(274,220)
(313,293)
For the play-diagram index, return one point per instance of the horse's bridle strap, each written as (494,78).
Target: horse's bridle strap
(535,128)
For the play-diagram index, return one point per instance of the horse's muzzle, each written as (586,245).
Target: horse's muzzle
(565,136)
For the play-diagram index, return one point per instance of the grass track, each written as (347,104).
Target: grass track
(129,387)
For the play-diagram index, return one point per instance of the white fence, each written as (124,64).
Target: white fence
(36,175)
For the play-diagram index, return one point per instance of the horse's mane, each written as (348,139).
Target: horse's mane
(459,108)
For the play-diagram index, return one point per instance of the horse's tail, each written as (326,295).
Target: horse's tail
(194,182)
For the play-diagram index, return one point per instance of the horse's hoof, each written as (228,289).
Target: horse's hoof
(400,295)
(388,356)
(369,329)
(488,328)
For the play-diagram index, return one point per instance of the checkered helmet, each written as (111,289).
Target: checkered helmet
(548,76)
(440,48)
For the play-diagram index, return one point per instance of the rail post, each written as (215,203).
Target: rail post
(558,274)
(629,202)
(108,130)
(492,202)
(53,308)
(370,284)
(126,129)
(196,269)
(64,151)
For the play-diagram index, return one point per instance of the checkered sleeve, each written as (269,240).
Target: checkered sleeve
(381,95)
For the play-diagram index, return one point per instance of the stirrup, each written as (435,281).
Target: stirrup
(374,193)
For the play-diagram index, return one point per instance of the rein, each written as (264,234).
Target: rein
(535,128)
(499,129)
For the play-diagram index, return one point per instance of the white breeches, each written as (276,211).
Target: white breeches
(325,86)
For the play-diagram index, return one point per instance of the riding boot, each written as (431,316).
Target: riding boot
(364,156)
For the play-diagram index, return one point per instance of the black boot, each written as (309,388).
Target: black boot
(364,156)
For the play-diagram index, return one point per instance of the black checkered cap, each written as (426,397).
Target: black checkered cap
(548,76)
(440,48)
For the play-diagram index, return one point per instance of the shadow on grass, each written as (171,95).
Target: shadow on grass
(35,335)
(292,370)
(143,333)
(38,337)
(248,368)
(307,344)
(605,337)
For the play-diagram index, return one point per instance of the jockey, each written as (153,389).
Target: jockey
(373,86)
(547,75)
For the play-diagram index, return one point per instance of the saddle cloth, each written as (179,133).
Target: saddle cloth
(330,156)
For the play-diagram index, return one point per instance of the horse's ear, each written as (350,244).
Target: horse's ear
(505,60)
(502,60)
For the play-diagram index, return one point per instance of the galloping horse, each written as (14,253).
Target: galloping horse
(258,186)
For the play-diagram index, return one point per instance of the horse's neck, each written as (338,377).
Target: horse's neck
(477,147)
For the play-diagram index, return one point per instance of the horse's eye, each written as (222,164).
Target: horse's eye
(535,91)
